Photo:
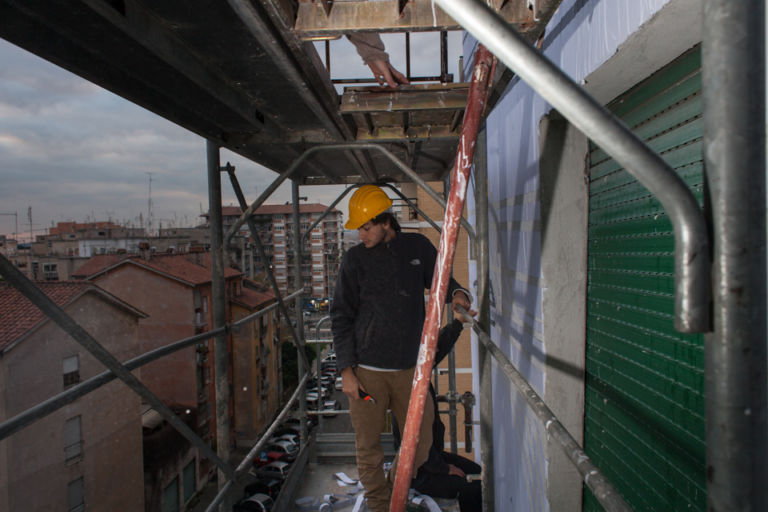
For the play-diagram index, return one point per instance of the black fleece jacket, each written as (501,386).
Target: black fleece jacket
(378,308)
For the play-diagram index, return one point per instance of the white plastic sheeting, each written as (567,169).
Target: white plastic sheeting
(581,36)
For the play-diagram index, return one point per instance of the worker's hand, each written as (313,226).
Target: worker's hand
(383,71)
(460,299)
(349,383)
(453,470)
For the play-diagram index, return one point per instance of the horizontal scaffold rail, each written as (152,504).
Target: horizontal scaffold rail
(603,490)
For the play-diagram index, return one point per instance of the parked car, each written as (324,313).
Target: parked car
(266,457)
(312,393)
(287,448)
(330,405)
(338,384)
(290,437)
(257,503)
(268,487)
(274,471)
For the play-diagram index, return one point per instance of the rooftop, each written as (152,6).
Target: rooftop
(18,315)
(175,266)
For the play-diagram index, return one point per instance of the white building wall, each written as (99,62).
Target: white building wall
(581,37)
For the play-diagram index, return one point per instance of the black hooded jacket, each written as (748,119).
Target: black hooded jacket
(378,307)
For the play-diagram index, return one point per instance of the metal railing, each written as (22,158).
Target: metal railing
(605,493)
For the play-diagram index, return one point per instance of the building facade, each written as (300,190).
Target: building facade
(87,454)
(176,291)
(256,362)
(581,266)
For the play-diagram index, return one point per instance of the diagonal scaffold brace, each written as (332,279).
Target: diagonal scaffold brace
(478,93)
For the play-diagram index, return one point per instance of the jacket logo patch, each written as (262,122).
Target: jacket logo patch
(416,261)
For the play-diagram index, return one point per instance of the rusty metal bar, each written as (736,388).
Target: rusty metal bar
(81,336)
(374,81)
(408,56)
(444,57)
(446,250)
(605,493)
(692,279)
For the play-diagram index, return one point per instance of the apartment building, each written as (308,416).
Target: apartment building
(87,454)
(320,256)
(175,290)
(87,239)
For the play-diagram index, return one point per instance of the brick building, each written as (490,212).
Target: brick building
(256,358)
(175,290)
(87,453)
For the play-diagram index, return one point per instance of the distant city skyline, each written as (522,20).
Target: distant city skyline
(72,151)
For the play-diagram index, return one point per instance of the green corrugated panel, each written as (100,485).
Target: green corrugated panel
(644,424)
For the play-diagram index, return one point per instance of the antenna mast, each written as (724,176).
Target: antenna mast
(149,206)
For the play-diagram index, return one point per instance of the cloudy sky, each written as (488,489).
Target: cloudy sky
(70,150)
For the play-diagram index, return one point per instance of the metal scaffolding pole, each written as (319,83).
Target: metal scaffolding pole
(484,360)
(475,102)
(692,284)
(733,67)
(452,394)
(303,365)
(218,298)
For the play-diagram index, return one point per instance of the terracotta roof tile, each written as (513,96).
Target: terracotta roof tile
(177,266)
(18,315)
(96,264)
(253,298)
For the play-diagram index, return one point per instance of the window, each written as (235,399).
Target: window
(73,440)
(75,502)
(190,481)
(71,370)
(50,272)
(170,501)
(205,304)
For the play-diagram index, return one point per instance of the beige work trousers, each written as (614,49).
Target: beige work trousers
(391,390)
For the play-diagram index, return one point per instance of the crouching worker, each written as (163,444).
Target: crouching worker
(377,315)
(443,475)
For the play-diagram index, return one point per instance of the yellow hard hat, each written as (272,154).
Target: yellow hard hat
(366,203)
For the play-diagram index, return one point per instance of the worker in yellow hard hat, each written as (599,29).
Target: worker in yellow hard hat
(377,315)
